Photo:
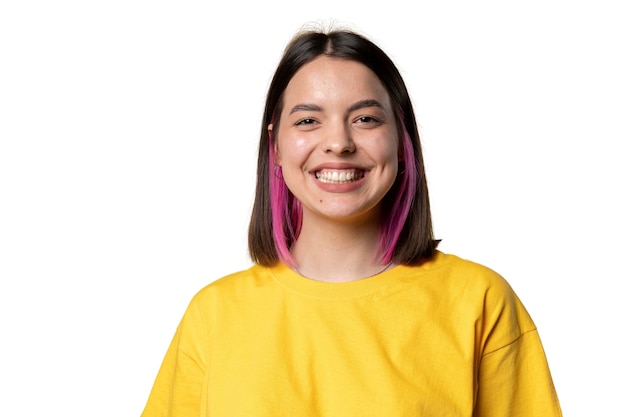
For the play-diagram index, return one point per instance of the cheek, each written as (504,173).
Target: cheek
(291,151)
(387,152)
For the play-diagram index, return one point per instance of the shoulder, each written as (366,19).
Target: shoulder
(464,274)
(234,289)
(236,284)
(477,278)
(504,317)
(480,292)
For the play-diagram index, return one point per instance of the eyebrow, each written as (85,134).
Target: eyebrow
(356,106)
(305,107)
(365,103)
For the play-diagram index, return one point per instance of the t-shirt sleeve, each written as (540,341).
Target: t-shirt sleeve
(513,378)
(180,382)
(514,381)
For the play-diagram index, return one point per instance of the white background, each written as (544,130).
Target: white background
(128,135)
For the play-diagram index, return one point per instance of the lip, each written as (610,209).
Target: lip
(342,187)
(337,165)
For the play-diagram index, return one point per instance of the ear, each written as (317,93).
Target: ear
(270,130)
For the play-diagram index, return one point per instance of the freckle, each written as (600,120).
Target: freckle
(321,201)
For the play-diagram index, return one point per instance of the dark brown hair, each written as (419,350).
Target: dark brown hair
(406,234)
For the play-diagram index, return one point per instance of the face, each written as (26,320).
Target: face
(337,141)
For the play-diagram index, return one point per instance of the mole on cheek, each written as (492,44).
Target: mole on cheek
(321,201)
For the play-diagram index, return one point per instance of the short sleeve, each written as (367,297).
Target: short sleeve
(180,383)
(513,375)
(514,381)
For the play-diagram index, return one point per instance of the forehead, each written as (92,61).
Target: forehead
(328,79)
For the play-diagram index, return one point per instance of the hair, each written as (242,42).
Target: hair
(406,235)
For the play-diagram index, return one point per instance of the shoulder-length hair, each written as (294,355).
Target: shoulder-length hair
(406,235)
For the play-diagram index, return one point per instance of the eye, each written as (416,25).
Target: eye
(368,121)
(304,122)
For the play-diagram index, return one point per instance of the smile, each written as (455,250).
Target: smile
(339,176)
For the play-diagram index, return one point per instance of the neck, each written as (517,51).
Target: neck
(337,252)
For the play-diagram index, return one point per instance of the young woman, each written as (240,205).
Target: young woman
(349,309)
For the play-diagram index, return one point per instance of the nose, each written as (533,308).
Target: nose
(339,140)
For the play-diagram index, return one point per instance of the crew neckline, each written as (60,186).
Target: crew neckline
(311,288)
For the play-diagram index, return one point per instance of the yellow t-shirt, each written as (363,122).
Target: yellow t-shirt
(447,338)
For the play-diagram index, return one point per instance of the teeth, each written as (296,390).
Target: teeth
(339,176)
